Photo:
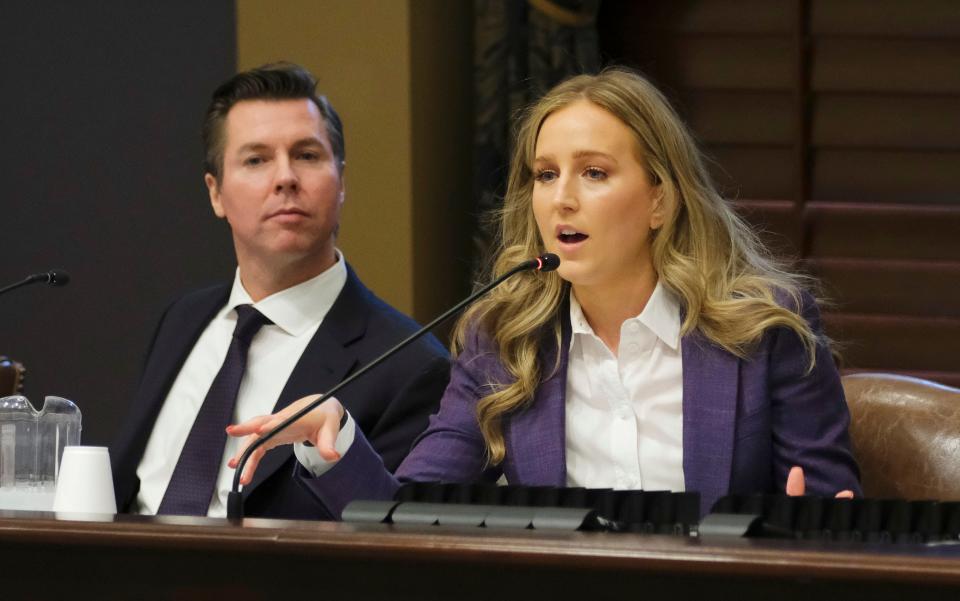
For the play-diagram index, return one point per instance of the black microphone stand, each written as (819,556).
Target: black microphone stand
(547,262)
(54,278)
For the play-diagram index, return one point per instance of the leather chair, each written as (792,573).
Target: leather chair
(905,434)
(11,377)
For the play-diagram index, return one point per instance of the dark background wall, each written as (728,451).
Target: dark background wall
(100,109)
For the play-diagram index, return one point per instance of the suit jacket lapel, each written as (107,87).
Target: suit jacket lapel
(536,437)
(325,362)
(176,335)
(710,387)
(174,346)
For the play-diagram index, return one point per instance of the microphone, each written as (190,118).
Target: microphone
(543,263)
(54,277)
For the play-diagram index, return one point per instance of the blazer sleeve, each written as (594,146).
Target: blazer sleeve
(450,450)
(809,413)
(405,415)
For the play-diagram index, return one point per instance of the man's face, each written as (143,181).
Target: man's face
(281,188)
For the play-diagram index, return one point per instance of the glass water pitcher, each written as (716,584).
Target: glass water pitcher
(31,445)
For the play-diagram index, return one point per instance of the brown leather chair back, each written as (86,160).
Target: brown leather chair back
(906,436)
(11,377)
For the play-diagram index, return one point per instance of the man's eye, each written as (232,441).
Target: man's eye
(544,176)
(253,161)
(309,156)
(595,173)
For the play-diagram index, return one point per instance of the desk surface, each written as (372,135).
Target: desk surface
(173,557)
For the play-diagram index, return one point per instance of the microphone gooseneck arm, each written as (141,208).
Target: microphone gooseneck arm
(54,277)
(545,262)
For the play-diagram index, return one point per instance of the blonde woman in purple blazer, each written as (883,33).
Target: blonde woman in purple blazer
(669,350)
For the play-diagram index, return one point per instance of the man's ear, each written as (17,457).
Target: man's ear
(213,189)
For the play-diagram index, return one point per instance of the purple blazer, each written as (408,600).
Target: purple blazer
(746,422)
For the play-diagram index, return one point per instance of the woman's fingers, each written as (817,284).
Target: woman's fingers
(251,467)
(253,460)
(796,485)
(327,437)
(251,426)
(319,426)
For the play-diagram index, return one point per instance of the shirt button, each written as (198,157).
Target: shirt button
(633,347)
(634,326)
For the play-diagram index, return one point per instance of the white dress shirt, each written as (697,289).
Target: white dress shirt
(624,413)
(296,314)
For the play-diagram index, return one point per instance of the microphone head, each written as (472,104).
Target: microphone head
(58,277)
(548,262)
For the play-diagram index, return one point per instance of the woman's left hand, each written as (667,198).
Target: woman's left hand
(797,486)
(319,427)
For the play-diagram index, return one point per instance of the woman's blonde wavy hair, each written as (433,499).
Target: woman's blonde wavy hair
(730,288)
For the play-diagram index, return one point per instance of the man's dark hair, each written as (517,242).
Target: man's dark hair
(278,81)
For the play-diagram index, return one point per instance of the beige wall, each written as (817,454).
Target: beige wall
(398,73)
(441,75)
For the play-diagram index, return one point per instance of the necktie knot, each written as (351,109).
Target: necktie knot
(249,322)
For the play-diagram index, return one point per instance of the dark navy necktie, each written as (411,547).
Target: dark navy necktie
(195,477)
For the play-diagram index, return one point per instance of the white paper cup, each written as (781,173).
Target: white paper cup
(86,482)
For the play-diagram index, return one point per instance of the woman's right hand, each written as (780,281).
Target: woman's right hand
(320,428)
(797,485)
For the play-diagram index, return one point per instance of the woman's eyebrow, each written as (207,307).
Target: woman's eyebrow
(579,154)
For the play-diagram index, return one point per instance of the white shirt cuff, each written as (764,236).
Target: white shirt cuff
(311,459)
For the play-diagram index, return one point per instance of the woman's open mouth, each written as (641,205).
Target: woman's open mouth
(570,236)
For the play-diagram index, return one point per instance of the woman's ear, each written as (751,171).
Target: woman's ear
(658,210)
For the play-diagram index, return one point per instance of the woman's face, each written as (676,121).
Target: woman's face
(592,199)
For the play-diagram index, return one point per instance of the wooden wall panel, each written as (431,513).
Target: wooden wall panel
(890,121)
(715,16)
(909,66)
(895,341)
(870,286)
(742,117)
(834,125)
(913,18)
(734,63)
(884,232)
(917,177)
(753,172)
(775,222)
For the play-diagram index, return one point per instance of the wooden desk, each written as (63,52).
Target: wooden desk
(187,558)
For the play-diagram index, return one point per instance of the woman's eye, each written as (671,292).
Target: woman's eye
(544,176)
(595,173)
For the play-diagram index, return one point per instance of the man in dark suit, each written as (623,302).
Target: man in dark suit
(296,319)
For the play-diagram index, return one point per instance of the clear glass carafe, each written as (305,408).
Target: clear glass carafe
(31,445)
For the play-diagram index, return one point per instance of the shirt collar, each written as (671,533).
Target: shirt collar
(661,316)
(298,308)
(578,321)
